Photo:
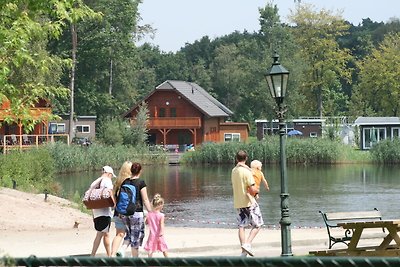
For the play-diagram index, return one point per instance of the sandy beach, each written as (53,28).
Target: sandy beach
(29,225)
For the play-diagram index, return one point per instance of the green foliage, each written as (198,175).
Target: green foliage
(107,58)
(115,131)
(137,132)
(386,151)
(112,131)
(298,150)
(379,88)
(78,158)
(32,170)
(113,74)
(325,61)
(28,72)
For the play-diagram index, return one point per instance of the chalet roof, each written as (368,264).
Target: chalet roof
(377,120)
(196,95)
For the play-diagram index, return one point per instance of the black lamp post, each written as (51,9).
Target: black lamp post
(277,78)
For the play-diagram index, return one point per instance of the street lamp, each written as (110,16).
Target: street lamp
(277,78)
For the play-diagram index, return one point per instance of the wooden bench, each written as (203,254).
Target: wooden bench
(331,220)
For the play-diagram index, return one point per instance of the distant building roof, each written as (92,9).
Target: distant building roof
(196,95)
(377,120)
(296,120)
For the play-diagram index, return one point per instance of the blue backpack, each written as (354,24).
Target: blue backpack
(126,202)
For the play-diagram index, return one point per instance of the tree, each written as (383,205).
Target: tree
(379,79)
(228,74)
(81,12)
(107,58)
(28,72)
(138,132)
(326,63)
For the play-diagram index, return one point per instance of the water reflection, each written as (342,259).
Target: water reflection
(202,196)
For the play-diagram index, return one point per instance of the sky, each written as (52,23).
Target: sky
(184,21)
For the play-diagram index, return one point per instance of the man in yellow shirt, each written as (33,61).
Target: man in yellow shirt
(248,211)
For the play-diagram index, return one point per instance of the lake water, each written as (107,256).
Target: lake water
(202,196)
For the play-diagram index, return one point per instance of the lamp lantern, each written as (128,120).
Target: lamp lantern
(277,78)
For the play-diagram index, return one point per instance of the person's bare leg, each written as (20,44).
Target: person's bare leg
(150,254)
(242,237)
(106,242)
(253,232)
(135,252)
(96,243)
(165,254)
(116,243)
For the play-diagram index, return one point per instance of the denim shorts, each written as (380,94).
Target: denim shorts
(119,224)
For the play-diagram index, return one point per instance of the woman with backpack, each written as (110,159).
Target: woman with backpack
(133,192)
(124,173)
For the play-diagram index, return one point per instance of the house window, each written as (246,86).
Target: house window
(395,132)
(60,127)
(229,137)
(372,135)
(162,112)
(270,128)
(172,112)
(313,134)
(83,129)
(57,128)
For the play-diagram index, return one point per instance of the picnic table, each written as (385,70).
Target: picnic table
(385,248)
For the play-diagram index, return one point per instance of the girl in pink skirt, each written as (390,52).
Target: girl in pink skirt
(155,220)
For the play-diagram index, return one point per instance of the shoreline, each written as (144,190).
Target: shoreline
(31,226)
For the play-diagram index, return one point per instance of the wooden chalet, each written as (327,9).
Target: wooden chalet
(13,135)
(183,113)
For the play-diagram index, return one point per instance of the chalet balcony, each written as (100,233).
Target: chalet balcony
(174,122)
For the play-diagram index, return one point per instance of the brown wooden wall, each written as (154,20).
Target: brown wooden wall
(241,128)
(169,100)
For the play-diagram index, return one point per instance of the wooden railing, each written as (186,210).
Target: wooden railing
(15,141)
(174,122)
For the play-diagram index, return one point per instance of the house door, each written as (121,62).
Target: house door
(184,139)
(372,136)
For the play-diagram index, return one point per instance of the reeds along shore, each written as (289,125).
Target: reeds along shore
(298,151)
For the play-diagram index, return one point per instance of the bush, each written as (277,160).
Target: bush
(298,150)
(77,158)
(32,170)
(386,151)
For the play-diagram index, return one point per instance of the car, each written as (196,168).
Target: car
(83,141)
